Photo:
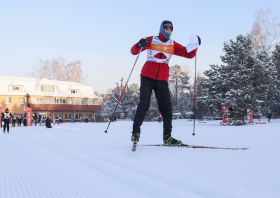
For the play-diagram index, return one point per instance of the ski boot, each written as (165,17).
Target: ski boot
(168,140)
(135,137)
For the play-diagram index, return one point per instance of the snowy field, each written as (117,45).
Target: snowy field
(80,161)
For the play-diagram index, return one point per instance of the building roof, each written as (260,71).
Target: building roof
(31,86)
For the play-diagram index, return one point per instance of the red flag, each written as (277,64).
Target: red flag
(28,116)
(1,110)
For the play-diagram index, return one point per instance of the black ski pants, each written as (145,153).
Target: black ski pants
(14,123)
(164,103)
(19,122)
(6,124)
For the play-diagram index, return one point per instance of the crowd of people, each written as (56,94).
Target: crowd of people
(21,119)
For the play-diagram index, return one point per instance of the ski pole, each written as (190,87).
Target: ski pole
(123,90)
(194,97)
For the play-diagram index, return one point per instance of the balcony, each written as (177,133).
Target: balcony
(64,107)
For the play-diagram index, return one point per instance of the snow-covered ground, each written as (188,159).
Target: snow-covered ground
(80,160)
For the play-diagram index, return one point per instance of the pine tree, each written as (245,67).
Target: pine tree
(243,82)
(276,59)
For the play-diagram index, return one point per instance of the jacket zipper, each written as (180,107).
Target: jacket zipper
(158,67)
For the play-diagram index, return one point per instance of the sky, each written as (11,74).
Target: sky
(101,33)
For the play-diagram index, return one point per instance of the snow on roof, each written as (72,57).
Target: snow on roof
(31,87)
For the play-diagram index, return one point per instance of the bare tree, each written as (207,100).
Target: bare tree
(58,69)
(265,31)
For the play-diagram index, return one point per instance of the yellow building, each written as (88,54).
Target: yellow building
(48,97)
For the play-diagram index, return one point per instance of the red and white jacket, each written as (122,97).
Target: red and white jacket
(160,71)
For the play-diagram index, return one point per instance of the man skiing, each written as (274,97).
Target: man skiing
(154,76)
(7,117)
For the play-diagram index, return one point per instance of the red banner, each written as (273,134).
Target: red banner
(225,114)
(250,115)
(28,116)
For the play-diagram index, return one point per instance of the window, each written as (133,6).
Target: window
(93,102)
(74,91)
(70,101)
(49,101)
(20,100)
(57,116)
(44,116)
(17,88)
(89,116)
(82,102)
(78,116)
(8,100)
(60,101)
(37,100)
(47,88)
(68,116)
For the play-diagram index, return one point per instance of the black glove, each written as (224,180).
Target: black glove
(199,40)
(143,42)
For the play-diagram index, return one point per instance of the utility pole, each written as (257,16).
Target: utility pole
(121,84)
(122,100)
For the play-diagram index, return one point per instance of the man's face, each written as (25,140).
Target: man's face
(168,30)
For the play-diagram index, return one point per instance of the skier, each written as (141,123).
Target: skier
(35,119)
(60,120)
(40,119)
(159,117)
(7,117)
(93,118)
(81,119)
(269,114)
(24,119)
(19,120)
(14,120)
(154,76)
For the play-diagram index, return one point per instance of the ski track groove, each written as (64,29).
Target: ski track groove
(66,191)
(192,188)
(175,183)
(73,155)
(74,189)
(4,186)
(32,178)
(33,166)
(107,173)
(15,173)
(149,159)
(27,171)
(186,185)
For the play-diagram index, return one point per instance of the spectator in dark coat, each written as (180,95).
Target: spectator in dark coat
(48,123)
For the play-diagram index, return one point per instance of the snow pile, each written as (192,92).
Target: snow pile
(80,160)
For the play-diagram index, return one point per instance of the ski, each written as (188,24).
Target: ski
(191,146)
(134,146)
